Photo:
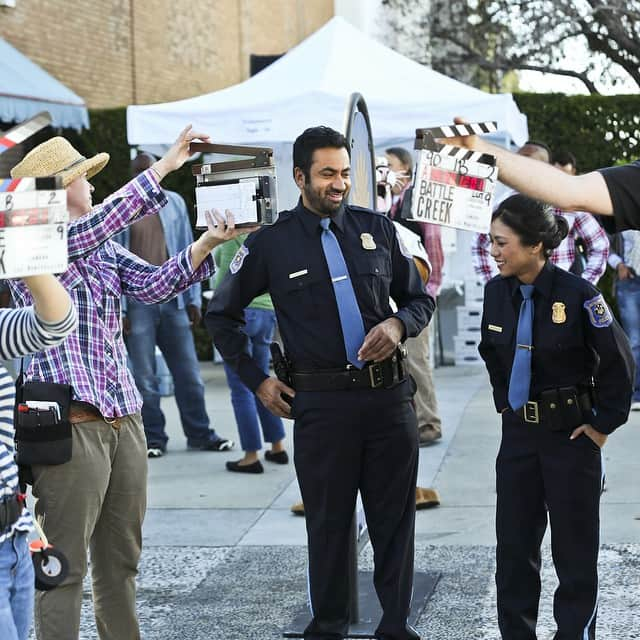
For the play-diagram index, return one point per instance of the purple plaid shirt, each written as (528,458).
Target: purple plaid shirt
(581,225)
(93,359)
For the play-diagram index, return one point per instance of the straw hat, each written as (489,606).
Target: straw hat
(57,157)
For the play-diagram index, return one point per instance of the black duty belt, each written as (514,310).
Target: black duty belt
(563,409)
(380,375)
(10,511)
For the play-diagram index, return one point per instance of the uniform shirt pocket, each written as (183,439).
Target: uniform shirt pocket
(298,289)
(372,274)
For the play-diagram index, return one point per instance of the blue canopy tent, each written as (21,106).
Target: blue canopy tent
(27,89)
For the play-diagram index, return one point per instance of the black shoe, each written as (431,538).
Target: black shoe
(254,467)
(220,444)
(280,457)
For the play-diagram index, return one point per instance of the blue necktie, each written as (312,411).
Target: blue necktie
(348,310)
(521,370)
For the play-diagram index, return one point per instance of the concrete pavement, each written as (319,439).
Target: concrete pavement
(224,559)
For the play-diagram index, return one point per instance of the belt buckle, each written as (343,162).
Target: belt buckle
(530,412)
(376,376)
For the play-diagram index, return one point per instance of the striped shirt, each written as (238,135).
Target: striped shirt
(21,332)
(581,225)
(93,360)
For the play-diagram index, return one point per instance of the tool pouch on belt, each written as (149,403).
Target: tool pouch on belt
(42,436)
(562,408)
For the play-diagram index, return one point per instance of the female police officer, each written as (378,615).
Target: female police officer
(561,371)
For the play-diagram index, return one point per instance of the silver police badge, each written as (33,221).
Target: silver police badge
(238,259)
(598,311)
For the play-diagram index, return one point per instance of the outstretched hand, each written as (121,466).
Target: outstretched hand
(222,228)
(179,152)
(467,142)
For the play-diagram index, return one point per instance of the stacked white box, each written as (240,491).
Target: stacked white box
(466,350)
(469,321)
(473,292)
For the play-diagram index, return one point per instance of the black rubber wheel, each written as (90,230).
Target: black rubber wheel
(51,568)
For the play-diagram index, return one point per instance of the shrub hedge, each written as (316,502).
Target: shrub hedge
(599,130)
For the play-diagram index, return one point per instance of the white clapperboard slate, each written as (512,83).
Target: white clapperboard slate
(247,187)
(33,215)
(453,187)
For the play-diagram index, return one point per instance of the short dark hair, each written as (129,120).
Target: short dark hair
(563,158)
(533,222)
(542,145)
(403,155)
(315,138)
(136,169)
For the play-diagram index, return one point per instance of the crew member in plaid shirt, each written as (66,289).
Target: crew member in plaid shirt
(581,225)
(97,500)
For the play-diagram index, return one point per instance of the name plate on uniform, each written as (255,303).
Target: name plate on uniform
(453,187)
(33,227)
(245,187)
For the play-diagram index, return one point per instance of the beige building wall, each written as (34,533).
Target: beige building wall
(119,52)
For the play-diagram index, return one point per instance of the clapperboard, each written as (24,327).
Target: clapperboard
(247,188)
(453,187)
(33,215)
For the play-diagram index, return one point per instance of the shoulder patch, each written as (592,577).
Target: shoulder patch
(238,259)
(598,312)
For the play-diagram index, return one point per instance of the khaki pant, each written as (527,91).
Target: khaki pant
(419,367)
(96,503)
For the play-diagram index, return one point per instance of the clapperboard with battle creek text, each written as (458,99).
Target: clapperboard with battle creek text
(33,215)
(453,187)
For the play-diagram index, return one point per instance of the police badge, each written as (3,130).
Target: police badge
(558,315)
(598,312)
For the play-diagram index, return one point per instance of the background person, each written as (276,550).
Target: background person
(625,259)
(546,334)
(250,413)
(104,511)
(168,325)
(565,161)
(330,269)
(418,348)
(22,331)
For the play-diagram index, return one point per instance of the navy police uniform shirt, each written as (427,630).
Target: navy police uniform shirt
(575,339)
(287,260)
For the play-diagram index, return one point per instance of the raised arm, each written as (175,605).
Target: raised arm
(544,182)
(38,327)
(140,197)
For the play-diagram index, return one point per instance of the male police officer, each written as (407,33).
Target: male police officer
(330,269)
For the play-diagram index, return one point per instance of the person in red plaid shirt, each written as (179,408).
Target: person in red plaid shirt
(582,226)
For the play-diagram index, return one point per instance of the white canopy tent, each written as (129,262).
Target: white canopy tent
(311,85)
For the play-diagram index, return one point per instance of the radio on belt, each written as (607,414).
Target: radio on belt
(245,187)
(453,186)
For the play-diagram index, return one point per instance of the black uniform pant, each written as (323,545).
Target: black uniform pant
(347,441)
(539,470)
